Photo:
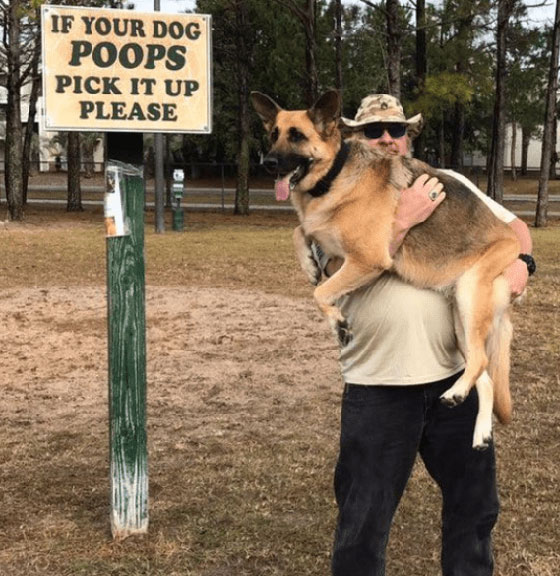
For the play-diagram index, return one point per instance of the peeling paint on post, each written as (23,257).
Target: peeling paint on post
(127,359)
(93,82)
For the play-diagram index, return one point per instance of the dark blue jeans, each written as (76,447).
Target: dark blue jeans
(382,430)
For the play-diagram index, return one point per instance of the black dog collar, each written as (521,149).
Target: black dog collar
(530,261)
(323,186)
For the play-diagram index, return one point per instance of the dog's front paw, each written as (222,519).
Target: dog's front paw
(344,333)
(451,401)
(312,270)
(456,394)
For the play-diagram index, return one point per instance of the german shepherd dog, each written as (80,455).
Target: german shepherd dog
(346,194)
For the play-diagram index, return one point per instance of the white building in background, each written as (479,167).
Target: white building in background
(533,154)
(3,105)
(534,151)
(51,156)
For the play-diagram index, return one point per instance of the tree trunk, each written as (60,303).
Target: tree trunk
(550,109)
(167,170)
(554,155)
(74,203)
(441,141)
(421,69)
(394,35)
(89,169)
(14,147)
(242,189)
(88,142)
(457,137)
(310,54)
(338,45)
(525,140)
(496,163)
(513,149)
(33,97)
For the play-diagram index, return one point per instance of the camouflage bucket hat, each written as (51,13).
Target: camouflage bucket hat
(383,108)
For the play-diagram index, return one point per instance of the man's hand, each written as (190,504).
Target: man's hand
(416,204)
(517,275)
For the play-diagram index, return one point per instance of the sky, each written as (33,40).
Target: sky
(172,6)
(542,14)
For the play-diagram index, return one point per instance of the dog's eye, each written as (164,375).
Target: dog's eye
(295,135)
(274,135)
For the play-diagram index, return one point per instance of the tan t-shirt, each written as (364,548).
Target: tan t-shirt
(402,334)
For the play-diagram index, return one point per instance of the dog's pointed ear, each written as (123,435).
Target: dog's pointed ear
(326,112)
(266,108)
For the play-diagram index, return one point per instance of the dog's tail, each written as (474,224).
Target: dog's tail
(498,351)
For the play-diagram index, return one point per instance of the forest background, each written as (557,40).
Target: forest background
(469,67)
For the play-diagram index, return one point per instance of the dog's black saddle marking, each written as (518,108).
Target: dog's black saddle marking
(324,185)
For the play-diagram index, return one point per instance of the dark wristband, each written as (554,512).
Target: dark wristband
(530,262)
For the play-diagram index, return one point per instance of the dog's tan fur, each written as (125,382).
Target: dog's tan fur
(462,248)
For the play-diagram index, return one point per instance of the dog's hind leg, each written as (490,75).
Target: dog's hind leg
(484,387)
(483,426)
(473,317)
(493,385)
(477,306)
(351,275)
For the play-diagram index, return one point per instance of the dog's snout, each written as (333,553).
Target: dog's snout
(271,163)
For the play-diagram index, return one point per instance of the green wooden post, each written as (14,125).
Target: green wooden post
(127,360)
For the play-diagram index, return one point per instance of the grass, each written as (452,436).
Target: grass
(214,250)
(249,491)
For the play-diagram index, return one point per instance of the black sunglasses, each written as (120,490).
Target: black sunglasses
(376,129)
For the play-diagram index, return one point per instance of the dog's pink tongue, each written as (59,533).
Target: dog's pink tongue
(282,189)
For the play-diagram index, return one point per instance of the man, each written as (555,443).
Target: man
(403,356)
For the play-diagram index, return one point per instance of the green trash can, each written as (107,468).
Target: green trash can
(178,219)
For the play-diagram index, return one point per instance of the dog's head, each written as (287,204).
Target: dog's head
(304,143)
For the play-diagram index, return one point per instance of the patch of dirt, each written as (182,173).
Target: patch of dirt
(243,414)
(234,378)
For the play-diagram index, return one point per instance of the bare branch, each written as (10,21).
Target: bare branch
(293,8)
